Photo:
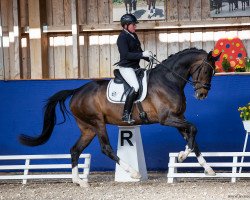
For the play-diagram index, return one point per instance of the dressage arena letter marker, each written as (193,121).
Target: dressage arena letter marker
(130,150)
(126,137)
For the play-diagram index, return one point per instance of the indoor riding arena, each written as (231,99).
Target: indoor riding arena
(62,133)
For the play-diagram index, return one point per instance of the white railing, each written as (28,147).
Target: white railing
(173,166)
(27,167)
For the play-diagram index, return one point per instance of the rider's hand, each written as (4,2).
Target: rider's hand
(147,54)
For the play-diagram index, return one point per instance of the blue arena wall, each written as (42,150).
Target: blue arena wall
(217,119)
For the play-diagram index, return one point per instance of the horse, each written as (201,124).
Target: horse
(132,4)
(232,4)
(218,6)
(151,8)
(165,103)
(243,4)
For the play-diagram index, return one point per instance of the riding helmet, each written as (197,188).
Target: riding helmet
(128,19)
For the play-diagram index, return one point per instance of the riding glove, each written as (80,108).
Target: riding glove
(147,54)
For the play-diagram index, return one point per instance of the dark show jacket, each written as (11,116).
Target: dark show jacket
(130,50)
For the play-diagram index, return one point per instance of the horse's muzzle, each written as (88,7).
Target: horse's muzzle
(201,93)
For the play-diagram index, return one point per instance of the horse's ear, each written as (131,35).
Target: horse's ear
(210,56)
(216,58)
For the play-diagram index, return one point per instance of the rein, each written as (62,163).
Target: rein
(193,83)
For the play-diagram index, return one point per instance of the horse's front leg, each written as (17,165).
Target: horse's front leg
(184,154)
(189,132)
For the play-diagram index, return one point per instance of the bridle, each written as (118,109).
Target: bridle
(206,86)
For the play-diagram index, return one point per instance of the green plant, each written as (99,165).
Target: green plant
(239,68)
(245,112)
(247,63)
(225,64)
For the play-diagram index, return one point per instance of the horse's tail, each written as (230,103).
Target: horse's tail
(49,118)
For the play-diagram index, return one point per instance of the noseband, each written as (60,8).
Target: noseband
(206,86)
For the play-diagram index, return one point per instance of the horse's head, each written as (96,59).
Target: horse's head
(202,73)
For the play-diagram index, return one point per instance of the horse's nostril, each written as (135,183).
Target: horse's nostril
(201,95)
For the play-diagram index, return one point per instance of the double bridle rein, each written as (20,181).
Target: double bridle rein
(193,83)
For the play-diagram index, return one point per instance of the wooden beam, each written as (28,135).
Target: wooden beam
(67,12)
(83,68)
(38,53)
(103,11)
(195,10)
(15,70)
(6,43)
(9,71)
(58,12)
(172,10)
(183,10)
(75,38)
(23,9)
(25,70)
(105,62)
(1,48)
(154,25)
(49,12)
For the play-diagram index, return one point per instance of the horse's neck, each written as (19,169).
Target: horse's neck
(176,72)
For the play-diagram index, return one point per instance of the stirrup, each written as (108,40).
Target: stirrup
(127,118)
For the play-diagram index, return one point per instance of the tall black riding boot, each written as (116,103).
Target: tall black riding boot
(128,106)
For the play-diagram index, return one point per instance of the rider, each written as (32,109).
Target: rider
(130,51)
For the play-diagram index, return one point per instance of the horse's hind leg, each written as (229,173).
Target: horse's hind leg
(153,8)
(126,6)
(84,140)
(108,151)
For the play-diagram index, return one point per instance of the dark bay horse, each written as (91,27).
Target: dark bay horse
(129,5)
(165,103)
(218,6)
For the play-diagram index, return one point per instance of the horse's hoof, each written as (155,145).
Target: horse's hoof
(84,184)
(181,157)
(81,183)
(135,175)
(210,172)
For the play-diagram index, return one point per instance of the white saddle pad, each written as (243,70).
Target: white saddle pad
(115,91)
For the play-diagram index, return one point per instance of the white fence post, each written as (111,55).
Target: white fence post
(86,169)
(26,170)
(28,167)
(234,164)
(244,150)
(171,169)
(234,169)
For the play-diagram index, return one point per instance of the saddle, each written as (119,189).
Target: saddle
(118,90)
(120,80)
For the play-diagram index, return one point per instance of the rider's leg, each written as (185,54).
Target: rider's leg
(128,107)
(129,75)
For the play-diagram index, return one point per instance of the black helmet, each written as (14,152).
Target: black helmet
(128,19)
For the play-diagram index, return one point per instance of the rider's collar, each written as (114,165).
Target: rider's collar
(129,33)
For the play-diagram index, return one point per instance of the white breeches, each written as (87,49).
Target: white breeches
(129,75)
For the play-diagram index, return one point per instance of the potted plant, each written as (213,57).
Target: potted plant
(247,63)
(245,116)
(225,64)
(239,68)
